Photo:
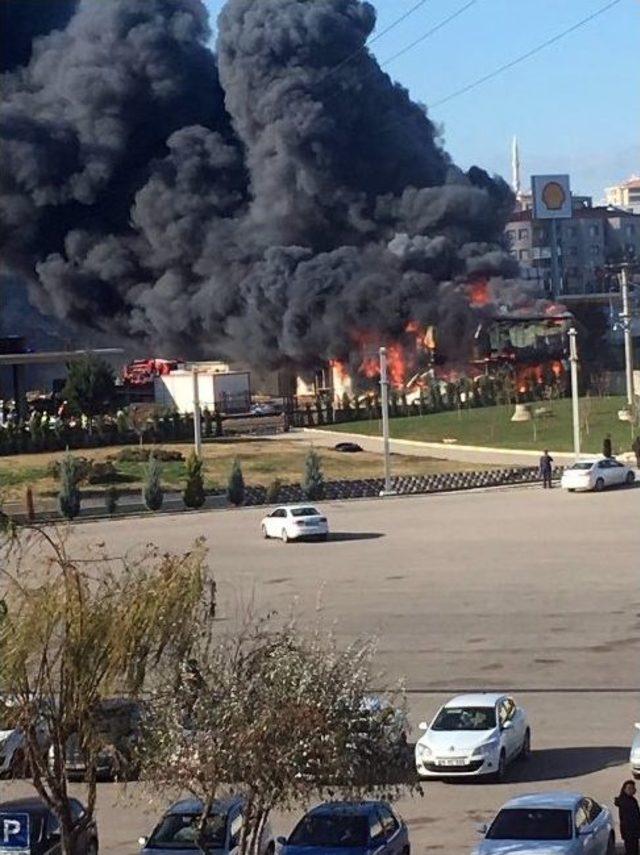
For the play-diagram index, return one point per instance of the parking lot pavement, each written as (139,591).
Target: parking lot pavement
(528,590)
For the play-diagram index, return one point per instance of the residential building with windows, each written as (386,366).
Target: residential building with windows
(592,238)
(625,195)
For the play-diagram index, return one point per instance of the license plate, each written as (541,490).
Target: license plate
(453,761)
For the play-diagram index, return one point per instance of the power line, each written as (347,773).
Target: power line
(428,33)
(379,35)
(526,55)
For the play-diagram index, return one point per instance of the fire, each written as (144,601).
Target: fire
(478,292)
(340,367)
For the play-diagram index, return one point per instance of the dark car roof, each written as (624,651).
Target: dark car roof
(354,808)
(222,805)
(29,805)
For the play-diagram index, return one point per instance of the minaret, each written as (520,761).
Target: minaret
(515,167)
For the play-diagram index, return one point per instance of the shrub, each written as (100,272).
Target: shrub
(141,455)
(69,495)
(273,491)
(102,472)
(152,494)
(110,500)
(606,446)
(313,480)
(235,486)
(194,495)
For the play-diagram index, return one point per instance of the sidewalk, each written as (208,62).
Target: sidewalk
(439,450)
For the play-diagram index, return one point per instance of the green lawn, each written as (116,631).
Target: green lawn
(492,426)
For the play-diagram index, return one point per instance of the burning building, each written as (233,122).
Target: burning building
(526,341)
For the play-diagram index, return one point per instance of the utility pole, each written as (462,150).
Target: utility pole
(555,267)
(625,317)
(197,428)
(575,403)
(384,390)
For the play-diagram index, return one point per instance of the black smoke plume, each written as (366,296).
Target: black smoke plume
(262,203)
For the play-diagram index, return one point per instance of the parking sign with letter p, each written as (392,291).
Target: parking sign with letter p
(14,831)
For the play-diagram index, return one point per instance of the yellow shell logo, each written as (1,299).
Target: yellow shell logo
(553,196)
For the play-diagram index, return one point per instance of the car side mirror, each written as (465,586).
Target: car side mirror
(482,828)
(507,725)
(281,840)
(423,725)
(637,725)
(142,841)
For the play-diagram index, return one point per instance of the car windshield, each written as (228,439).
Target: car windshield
(304,512)
(465,718)
(543,824)
(331,830)
(180,830)
(584,465)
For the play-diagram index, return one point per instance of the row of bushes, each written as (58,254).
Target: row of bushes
(71,471)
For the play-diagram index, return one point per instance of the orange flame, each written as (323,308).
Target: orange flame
(478,292)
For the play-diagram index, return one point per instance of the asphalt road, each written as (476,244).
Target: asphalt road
(532,591)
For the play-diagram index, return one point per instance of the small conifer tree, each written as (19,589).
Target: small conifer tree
(235,485)
(194,495)
(313,480)
(69,494)
(152,494)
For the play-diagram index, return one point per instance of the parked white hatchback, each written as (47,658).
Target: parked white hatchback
(295,522)
(596,473)
(477,734)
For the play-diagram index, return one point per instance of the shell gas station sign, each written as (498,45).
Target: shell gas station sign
(551,197)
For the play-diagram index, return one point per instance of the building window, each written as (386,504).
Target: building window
(572,231)
(573,250)
(524,254)
(511,235)
(538,234)
(595,249)
(594,230)
(523,234)
(630,229)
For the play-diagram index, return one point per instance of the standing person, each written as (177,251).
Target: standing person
(607,450)
(546,464)
(629,813)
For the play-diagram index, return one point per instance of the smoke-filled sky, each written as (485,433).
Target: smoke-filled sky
(263,203)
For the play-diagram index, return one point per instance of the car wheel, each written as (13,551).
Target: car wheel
(264,532)
(611,845)
(631,477)
(323,537)
(502,769)
(18,766)
(599,485)
(525,751)
(284,536)
(92,848)
(270,850)
(571,489)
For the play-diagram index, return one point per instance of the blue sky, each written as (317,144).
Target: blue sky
(575,106)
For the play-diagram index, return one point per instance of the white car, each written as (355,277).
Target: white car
(555,823)
(596,473)
(13,762)
(634,758)
(295,522)
(477,734)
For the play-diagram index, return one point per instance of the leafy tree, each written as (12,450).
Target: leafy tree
(194,495)
(81,628)
(313,480)
(302,706)
(273,491)
(90,387)
(235,485)
(69,494)
(152,494)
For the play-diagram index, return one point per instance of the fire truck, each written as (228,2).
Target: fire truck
(140,372)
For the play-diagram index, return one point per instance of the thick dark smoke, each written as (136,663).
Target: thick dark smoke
(261,205)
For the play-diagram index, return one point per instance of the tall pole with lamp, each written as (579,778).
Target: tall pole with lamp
(575,403)
(384,399)
(197,427)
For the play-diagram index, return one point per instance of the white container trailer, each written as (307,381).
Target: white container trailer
(225,392)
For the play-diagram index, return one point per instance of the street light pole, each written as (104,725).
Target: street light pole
(384,390)
(575,405)
(197,435)
(625,317)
